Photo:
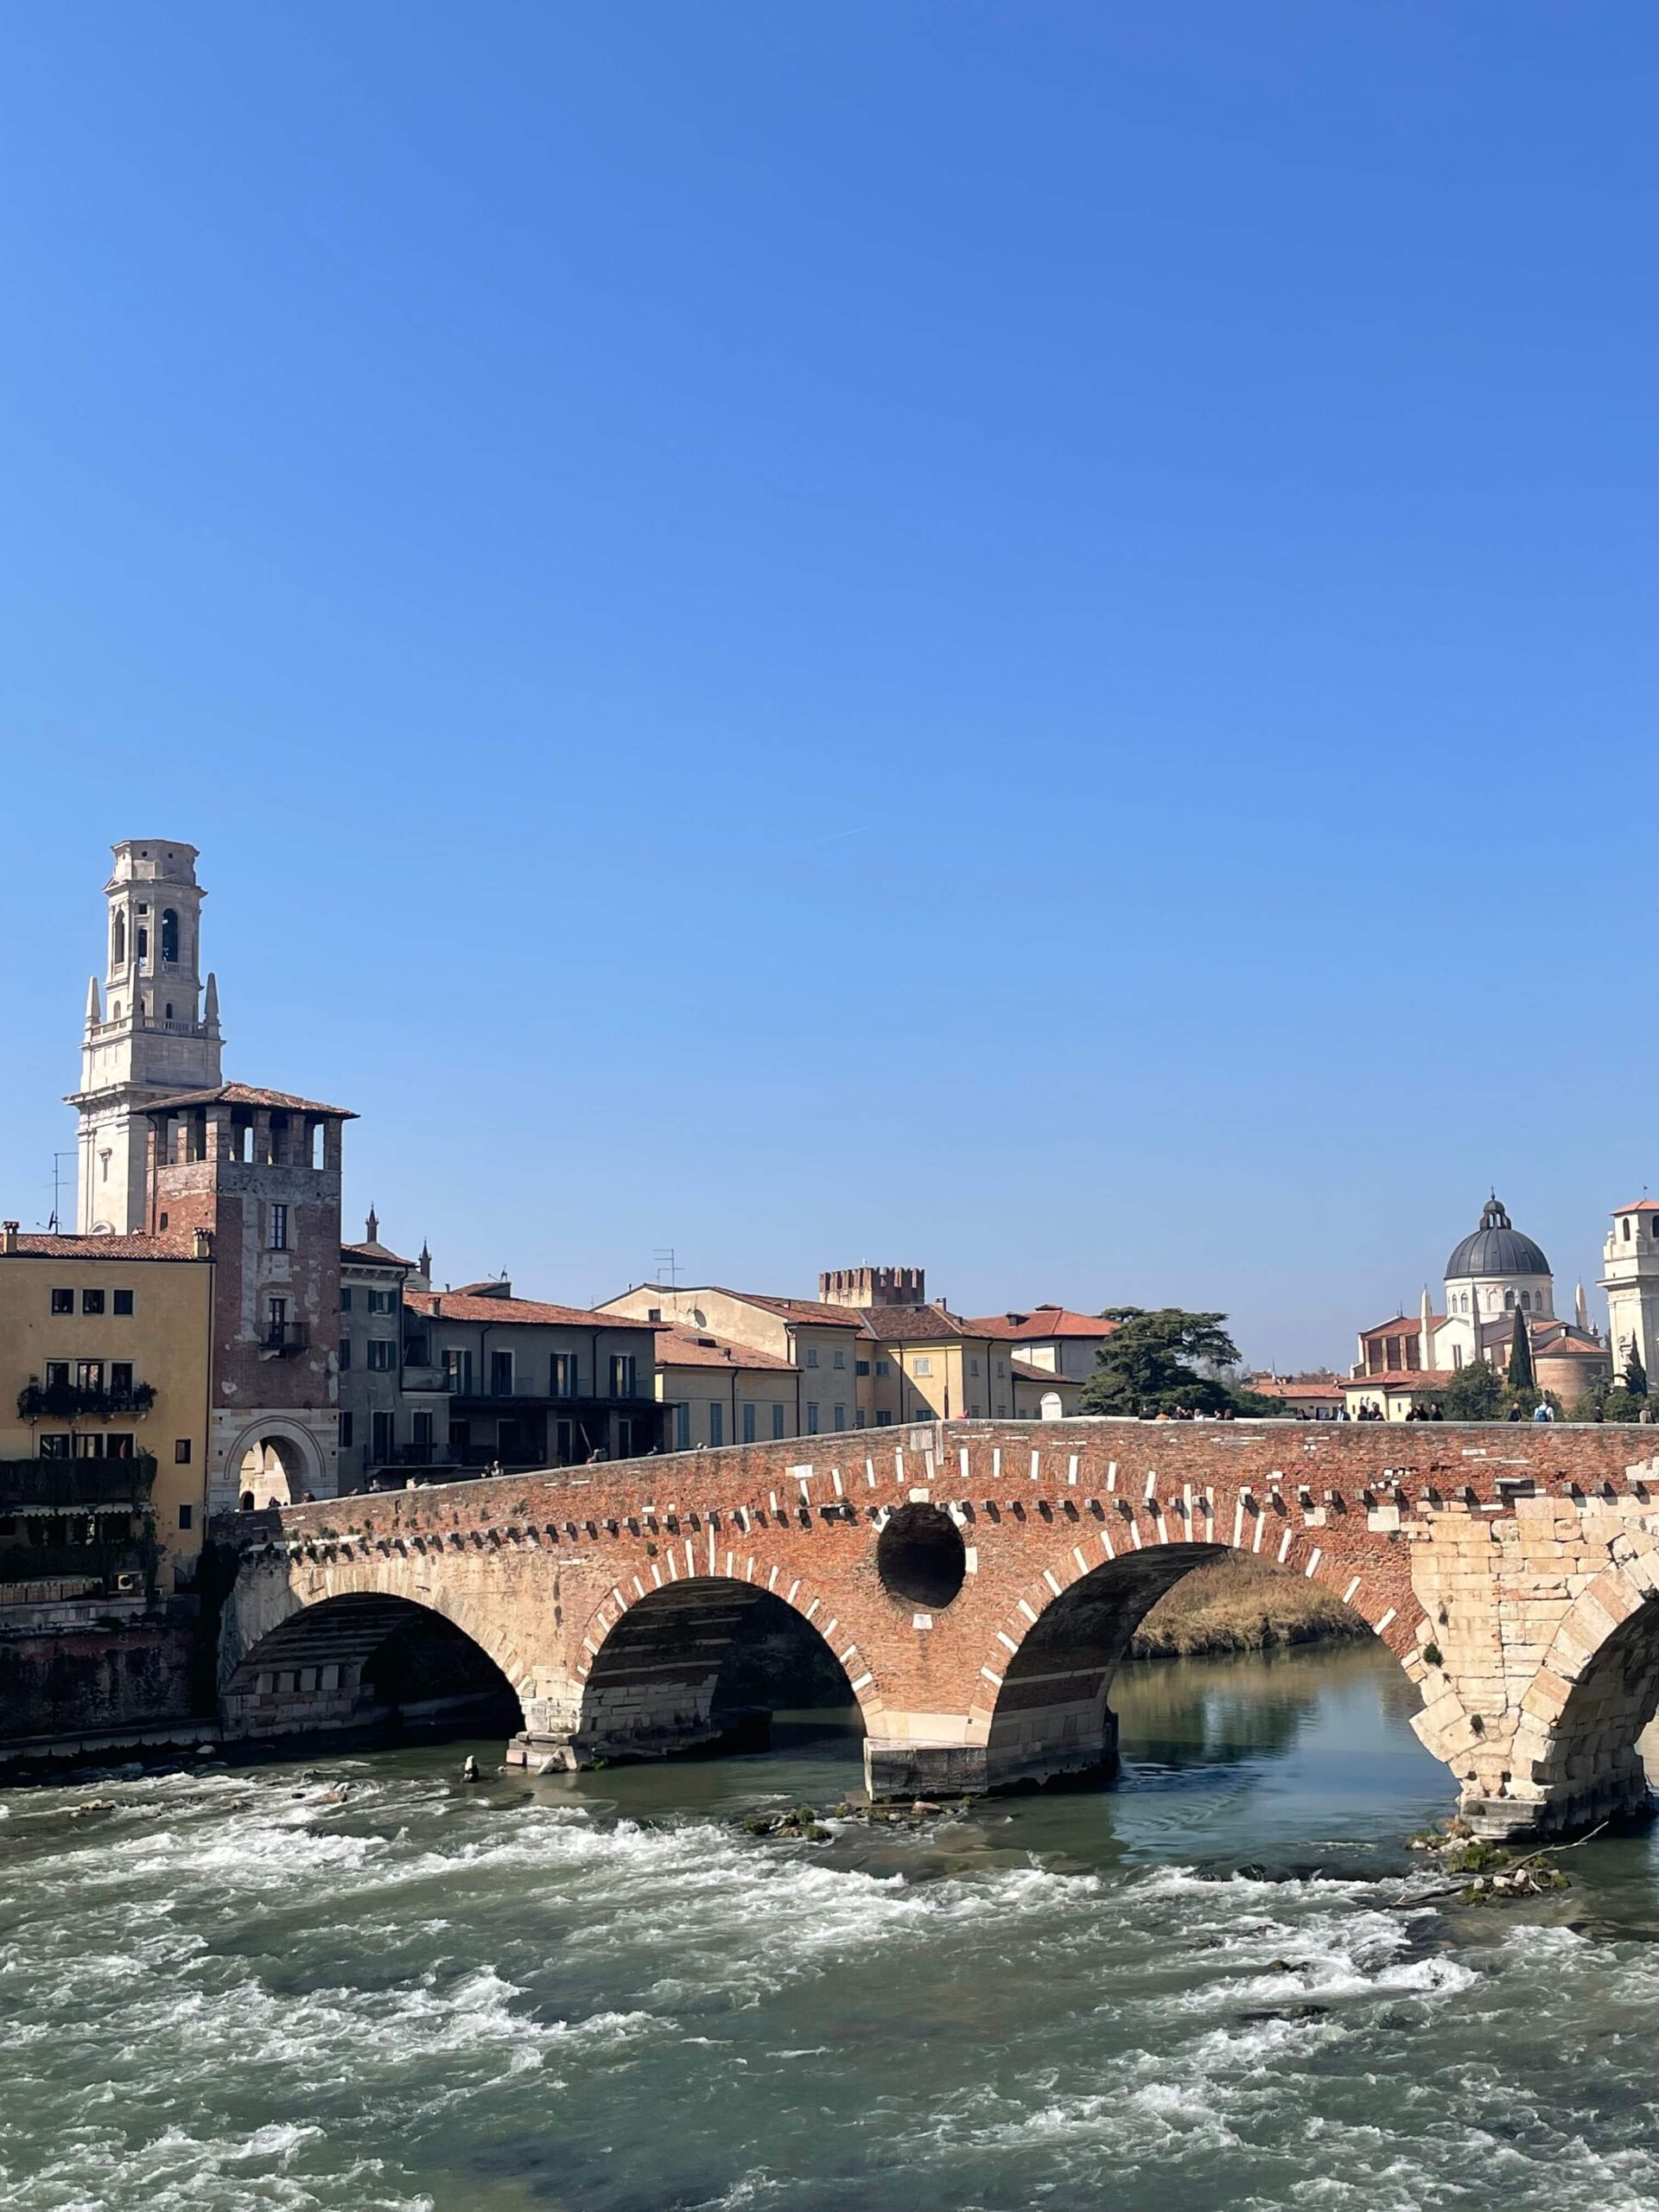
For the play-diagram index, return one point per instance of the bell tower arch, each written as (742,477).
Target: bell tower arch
(152,1030)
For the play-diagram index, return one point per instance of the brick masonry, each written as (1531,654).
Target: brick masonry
(1512,1571)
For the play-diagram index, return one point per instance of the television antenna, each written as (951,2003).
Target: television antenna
(54,1225)
(666,1266)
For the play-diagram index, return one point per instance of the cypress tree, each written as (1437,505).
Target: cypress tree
(1520,1375)
(1635,1376)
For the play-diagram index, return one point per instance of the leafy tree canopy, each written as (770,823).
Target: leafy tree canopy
(1151,1364)
(1474,1393)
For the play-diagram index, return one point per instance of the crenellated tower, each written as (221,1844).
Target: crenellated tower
(152,1031)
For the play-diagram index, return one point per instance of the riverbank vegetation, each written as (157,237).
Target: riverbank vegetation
(1241,1605)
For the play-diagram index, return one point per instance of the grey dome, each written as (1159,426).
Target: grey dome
(1495,1249)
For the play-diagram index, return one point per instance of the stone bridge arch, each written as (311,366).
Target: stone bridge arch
(653,1649)
(1573,1751)
(1041,1700)
(299,1646)
(365,1659)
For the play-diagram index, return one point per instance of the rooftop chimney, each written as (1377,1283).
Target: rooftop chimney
(8,1236)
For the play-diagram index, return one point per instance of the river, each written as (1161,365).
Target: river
(238,1990)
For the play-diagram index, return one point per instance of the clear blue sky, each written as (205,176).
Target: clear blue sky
(1013,636)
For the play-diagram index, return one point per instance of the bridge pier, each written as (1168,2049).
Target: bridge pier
(979,1761)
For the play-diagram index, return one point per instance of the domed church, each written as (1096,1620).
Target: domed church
(1493,1272)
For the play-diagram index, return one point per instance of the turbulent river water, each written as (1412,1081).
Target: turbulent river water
(240,1989)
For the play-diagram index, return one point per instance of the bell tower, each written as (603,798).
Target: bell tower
(153,1030)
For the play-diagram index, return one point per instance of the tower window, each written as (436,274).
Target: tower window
(1625,1226)
(144,942)
(279,1229)
(168,1011)
(169,934)
(1508,1301)
(119,941)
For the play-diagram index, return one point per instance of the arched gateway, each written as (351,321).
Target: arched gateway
(977,1584)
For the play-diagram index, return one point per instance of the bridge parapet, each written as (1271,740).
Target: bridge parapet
(978,1582)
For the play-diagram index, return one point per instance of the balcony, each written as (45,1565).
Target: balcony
(60,1486)
(464,1398)
(70,1402)
(419,1376)
(283,1339)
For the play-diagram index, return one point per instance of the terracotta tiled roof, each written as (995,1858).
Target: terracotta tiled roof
(1641,1205)
(166,1244)
(810,1311)
(1039,1325)
(1560,1339)
(456,1306)
(1402,1378)
(242,1094)
(692,1348)
(920,1324)
(1274,1386)
(1403,1325)
(373,1255)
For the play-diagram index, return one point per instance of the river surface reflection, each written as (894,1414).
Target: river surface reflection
(244,1990)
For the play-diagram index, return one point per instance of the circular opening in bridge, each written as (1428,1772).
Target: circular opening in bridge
(921,1556)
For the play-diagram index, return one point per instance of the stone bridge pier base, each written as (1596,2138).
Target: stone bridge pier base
(968,1758)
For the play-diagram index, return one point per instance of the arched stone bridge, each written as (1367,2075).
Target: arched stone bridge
(979,1582)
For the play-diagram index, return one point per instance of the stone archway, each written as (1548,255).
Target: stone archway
(652,1682)
(366,1659)
(273,1462)
(1044,1709)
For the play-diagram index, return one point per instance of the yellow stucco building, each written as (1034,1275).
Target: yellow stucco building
(105,1345)
(871,1351)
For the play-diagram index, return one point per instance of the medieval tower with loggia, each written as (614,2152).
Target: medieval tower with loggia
(152,1031)
(172,1153)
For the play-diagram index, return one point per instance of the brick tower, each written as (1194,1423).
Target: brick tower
(258,1171)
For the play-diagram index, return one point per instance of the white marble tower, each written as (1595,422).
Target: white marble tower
(1631,1278)
(154,1031)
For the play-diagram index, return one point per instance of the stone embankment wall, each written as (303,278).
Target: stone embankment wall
(86,1679)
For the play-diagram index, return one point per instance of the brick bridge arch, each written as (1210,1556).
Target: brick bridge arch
(1495,1563)
(653,1650)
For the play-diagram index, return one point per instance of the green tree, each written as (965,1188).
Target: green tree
(1521,1374)
(1149,1364)
(1474,1394)
(1635,1376)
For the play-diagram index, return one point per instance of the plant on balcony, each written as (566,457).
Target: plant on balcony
(55,1482)
(68,1401)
